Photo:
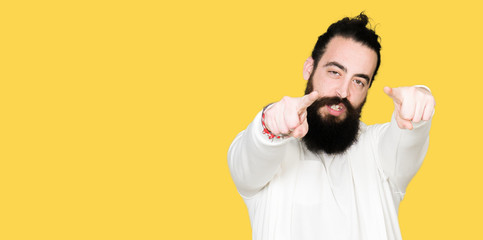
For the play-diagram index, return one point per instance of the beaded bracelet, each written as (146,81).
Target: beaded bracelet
(265,129)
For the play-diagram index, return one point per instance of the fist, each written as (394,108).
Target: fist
(412,104)
(288,117)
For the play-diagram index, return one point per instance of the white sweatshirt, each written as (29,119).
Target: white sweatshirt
(292,193)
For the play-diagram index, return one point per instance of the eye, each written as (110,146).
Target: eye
(359,82)
(334,73)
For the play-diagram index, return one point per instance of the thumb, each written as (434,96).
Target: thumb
(403,123)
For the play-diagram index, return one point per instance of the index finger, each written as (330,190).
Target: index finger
(392,93)
(307,100)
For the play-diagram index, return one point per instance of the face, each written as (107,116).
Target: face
(344,71)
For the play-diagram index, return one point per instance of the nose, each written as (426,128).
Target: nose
(343,90)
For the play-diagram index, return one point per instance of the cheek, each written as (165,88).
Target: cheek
(325,88)
(357,99)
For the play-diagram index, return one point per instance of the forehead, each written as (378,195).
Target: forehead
(356,57)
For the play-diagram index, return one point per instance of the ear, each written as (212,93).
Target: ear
(308,68)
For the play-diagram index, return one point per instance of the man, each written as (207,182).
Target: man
(307,168)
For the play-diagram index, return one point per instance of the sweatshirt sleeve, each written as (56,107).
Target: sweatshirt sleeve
(254,159)
(401,152)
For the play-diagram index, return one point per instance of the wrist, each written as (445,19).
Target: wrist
(266,130)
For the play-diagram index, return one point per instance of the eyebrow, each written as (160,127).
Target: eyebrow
(343,68)
(364,76)
(337,65)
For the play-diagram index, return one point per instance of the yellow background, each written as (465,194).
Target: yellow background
(116,116)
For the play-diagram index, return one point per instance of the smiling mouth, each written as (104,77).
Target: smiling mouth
(336,107)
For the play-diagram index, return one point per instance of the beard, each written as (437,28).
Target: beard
(329,133)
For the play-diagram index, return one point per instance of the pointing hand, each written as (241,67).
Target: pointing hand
(412,104)
(288,117)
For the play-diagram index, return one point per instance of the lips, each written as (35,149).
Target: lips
(336,109)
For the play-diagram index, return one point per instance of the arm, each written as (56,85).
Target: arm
(404,141)
(253,158)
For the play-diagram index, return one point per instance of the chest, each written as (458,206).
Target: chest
(324,181)
(333,182)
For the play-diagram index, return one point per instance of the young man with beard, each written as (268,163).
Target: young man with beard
(307,168)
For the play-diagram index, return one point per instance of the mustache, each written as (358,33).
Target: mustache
(323,101)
